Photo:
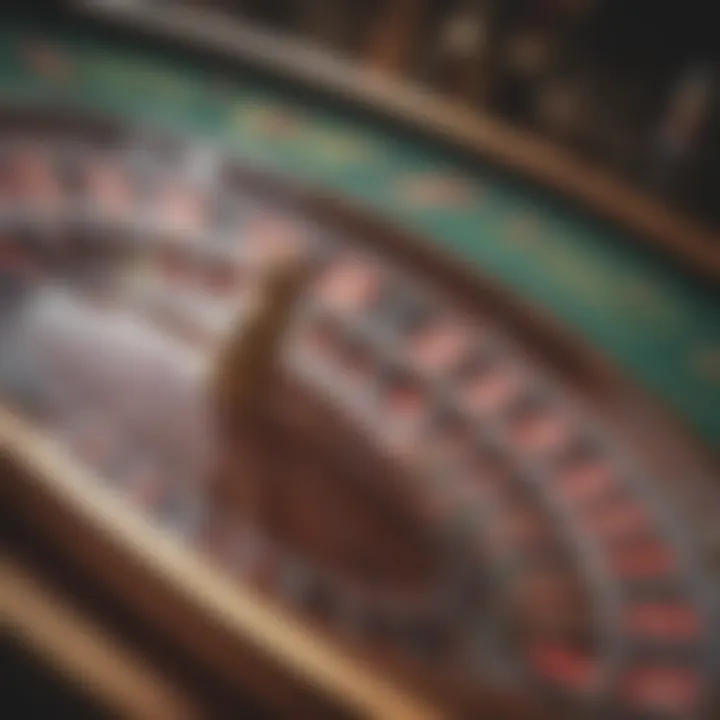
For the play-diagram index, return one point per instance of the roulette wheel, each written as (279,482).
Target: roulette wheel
(435,477)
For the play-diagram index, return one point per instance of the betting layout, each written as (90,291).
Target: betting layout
(124,257)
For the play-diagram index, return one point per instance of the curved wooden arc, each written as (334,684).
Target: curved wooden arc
(646,218)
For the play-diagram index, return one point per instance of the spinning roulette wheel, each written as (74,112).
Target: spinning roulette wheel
(439,478)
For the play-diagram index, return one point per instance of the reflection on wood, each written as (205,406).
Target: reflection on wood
(82,653)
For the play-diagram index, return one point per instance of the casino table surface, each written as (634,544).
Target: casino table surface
(653,319)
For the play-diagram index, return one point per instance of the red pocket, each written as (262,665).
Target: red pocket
(663,689)
(349,286)
(564,665)
(540,432)
(584,482)
(646,560)
(620,520)
(441,347)
(672,621)
(183,209)
(491,392)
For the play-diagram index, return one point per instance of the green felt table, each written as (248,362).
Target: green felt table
(655,321)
